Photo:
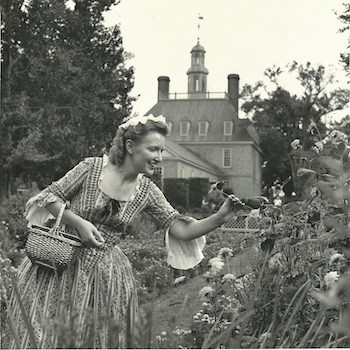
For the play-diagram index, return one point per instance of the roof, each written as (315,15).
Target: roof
(186,155)
(215,111)
(198,47)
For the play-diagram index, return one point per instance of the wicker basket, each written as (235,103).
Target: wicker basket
(52,247)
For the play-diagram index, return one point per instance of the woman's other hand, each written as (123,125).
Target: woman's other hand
(89,234)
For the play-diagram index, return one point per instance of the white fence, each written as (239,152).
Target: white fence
(246,224)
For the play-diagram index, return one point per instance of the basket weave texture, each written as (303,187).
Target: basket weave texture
(52,247)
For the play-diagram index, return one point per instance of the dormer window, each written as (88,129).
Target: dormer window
(170,126)
(228,128)
(203,128)
(184,128)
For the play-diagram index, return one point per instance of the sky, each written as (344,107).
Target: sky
(240,36)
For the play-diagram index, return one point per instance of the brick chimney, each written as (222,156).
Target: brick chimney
(163,88)
(233,89)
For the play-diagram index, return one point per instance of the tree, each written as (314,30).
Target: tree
(65,86)
(344,18)
(281,117)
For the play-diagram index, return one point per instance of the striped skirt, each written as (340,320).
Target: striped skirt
(79,307)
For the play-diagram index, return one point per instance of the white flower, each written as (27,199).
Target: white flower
(311,126)
(216,186)
(331,277)
(296,144)
(335,257)
(337,136)
(210,274)
(179,279)
(277,202)
(229,277)
(158,337)
(224,252)
(206,292)
(275,261)
(216,264)
(255,214)
(163,333)
(313,191)
(319,145)
(293,194)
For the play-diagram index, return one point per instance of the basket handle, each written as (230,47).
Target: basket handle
(59,216)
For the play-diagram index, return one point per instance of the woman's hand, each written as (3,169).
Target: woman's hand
(228,209)
(89,234)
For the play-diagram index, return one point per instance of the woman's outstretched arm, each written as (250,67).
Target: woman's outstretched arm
(190,230)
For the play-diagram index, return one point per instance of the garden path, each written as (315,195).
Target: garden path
(182,302)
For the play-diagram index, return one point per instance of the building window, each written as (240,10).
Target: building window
(196,84)
(182,173)
(228,127)
(158,171)
(227,183)
(170,126)
(184,128)
(203,128)
(226,157)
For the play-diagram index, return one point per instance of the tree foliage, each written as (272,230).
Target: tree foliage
(280,117)
(65,86)
(344,18)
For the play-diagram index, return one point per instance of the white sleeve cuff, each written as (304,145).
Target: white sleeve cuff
(35,212)
(184,255)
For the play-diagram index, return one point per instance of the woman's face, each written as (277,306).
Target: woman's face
(147,153)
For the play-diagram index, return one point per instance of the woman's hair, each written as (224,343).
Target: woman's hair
(135,133)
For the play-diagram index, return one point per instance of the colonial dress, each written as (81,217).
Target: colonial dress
(101,281)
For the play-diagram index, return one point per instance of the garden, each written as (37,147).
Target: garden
(293,292)
(66,87)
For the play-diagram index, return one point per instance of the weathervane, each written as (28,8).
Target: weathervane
(199,25)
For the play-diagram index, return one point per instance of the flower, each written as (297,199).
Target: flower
(314,191)
(255,214)
(319,145)
(216,264)
(179,279)
(337,137)
(276,261)
(277,202)
(229,277)
(225,252)
(206,292)
(331,277)
(216,186)
(335,257)
(296,144)
(311,126)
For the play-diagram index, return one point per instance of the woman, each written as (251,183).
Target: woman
(104,195)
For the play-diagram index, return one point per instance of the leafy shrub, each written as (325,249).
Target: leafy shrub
(177,191)
(198,189)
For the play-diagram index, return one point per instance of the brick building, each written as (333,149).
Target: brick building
(207,139)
